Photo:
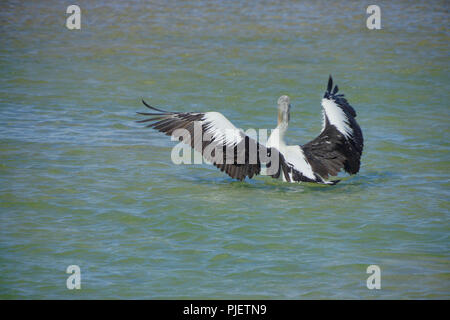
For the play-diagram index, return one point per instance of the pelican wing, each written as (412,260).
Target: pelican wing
(296,168)
(340,143)
(240,156)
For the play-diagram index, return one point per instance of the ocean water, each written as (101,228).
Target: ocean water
(81,183)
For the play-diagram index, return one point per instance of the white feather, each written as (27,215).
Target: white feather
(292,154)
(295,156)
(337,117)
(222,129)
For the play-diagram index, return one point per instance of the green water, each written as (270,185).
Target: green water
(82,183)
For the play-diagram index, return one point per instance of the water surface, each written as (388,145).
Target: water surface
(82,183)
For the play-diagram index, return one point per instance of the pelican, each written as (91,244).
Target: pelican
(338,146)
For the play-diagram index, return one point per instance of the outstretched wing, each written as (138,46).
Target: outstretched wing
(240,155)
(340,143)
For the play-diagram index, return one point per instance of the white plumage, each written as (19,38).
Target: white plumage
(336,116)
(221,129)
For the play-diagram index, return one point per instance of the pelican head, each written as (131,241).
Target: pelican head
(284,109)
